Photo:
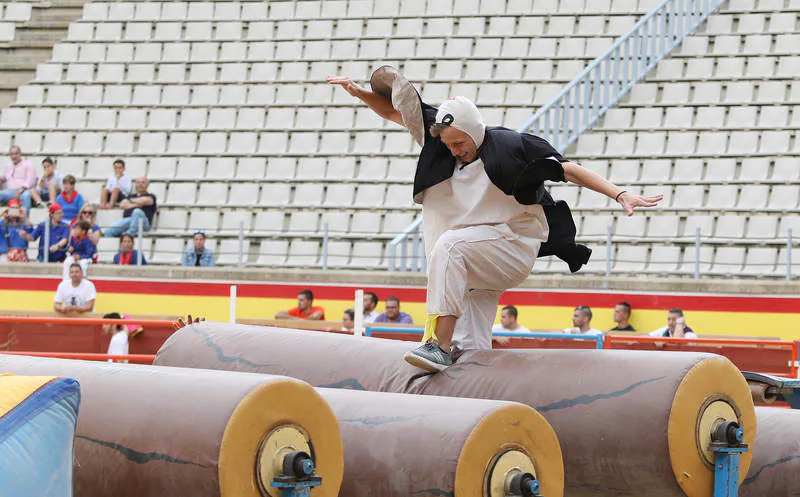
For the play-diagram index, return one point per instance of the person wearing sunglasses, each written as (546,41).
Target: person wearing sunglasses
(88,213)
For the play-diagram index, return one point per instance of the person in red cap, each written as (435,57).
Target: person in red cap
(59,235)
(14,221)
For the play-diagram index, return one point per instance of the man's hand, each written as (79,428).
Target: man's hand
(346,83)
(18,194)
(180,323)
(501,340)
(126,204)
(630,201)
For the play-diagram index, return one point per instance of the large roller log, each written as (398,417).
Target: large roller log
(629,423)
(775,470)
(162,432)
(399,445)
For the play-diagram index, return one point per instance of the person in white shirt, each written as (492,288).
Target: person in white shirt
(370,303)
(485,210)
(76,294)
(676,326)
(508,322)
(117,187)
(581,322)
(118,345)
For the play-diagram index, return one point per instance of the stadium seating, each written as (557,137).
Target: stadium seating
(713,127)
(223,105)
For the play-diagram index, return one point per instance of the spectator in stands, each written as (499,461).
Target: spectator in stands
(581,322)
(622,313)
(127,255)
(49,184)
(140,205)
(14,221)
(59,236)
(393,314)
(305,308)
(70,200)
(88,213)
(81,248)
(117,187)
(348,319)
(75,294)
(198,255)
(676,326)
(370,303)
(508,321)
(19,177)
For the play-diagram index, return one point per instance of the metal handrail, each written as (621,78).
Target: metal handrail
(609,77)
(417,261)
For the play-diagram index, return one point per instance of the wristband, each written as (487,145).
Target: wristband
(616,199)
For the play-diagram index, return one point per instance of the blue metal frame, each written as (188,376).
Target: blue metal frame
(726,470)
(296,489)
(510,334)
(784,389)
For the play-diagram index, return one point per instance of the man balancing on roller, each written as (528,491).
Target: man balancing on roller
(486,215)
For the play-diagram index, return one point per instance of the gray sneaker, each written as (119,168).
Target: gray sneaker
(429,357)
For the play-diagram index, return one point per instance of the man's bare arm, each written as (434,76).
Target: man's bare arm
(88,306)
(593,181)
(378,104)
(284,315)
(315,316)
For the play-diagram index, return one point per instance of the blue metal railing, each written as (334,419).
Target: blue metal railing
(608,78)
(585,99)
(510,334)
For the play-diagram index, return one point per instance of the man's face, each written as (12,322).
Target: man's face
(48,168)
(126,244)
(141,185)
(459,143)
(119,169)
(368,305)
(15,155)
(75,275)
(392,310)
(57,216)
(579,319)
(507,319)
(672,319)
(620,313)
(303,303)
(199,242)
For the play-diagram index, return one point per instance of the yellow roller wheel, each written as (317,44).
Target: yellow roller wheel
(280,414)
(712,391)
(487,459)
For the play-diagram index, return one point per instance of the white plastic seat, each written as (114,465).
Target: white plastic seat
(371,196)
(303,222)
(664,259)
(272,252)
(367,223)
(168,251)
(367,254)
(760,261)
(204,220)
(762,227)
(269,221)
(277,194)
(630,259)
(304,253)
(730,227)
(231,220)
(161,168)
(754,197)
(172,220)
(181,193)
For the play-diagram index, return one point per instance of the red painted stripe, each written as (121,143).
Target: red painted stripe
(516,297)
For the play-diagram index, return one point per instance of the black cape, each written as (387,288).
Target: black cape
(518,164)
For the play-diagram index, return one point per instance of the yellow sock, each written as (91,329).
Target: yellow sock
(430,328)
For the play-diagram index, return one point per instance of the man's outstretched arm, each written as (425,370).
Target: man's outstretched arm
(379,105)
(593,181)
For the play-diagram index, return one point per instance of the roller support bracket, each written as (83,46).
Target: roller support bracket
(525,485)
(297,478)
(784,389)
(727,446)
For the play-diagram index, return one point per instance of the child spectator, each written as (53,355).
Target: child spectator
(81,248)
(48,185)
(70,200)
(89,213)
(59,236)
(117,187)
(14,221)
(119,333)
(127,255)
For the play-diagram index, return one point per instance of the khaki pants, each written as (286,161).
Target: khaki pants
(468,270)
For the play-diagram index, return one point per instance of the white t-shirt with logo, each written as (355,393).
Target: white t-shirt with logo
(469,198)
(371,317)
(75,295)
